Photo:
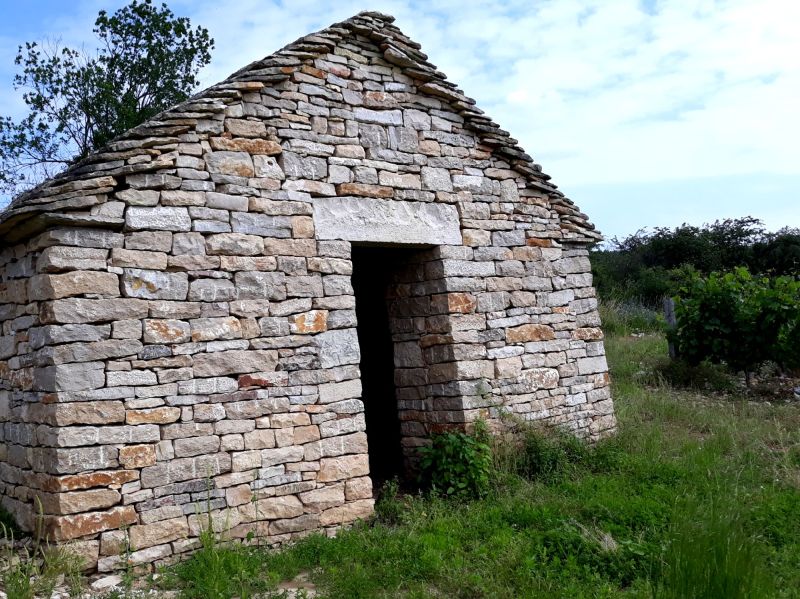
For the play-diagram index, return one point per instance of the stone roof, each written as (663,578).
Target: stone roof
(138,151)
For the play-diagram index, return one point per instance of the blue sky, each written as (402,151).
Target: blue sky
(645,112)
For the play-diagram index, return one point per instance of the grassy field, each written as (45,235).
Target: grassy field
(696,496)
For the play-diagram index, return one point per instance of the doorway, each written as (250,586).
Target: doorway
(372,276)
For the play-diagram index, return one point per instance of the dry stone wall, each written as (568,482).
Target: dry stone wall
(177,335)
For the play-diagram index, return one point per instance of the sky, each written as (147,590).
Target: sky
(646,113)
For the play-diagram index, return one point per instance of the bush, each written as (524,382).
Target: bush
(739,320)
(458,464)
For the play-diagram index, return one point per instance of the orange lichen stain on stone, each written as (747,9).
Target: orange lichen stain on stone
(588,334)
(165,331)
(137,456)
(460,303)
(64,528)
(529,332)
(72,482)
(254,380)
(537,242)
(314,321)
(137,284)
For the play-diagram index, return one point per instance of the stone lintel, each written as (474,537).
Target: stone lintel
(386,221)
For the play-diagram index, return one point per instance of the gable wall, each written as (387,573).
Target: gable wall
(211,343)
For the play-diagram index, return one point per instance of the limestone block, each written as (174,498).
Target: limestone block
(323,498)
(208,386)
(540,378)
(353,510)
(79,501)
(73,460)
(212,290)
(69,333)
(230,163)
(158,219)
(343,467)
(154,241)
(80,311)
(234,244)
(154,284)
(88,352)
(234,362)
(256,285)
(338,347)
(303,167)
(314,321)
(263,438)
(137,456)
(138,259)
(166,331)
(261,224)
(592,365)
(81,237)
(211,329)
(529,332)
(409,181)
(138,197)
(64,528)
(143,536)
(60,258)
(365,219)
(245,128)
(281,455)
(57,286)
(162,415)
(193,446)
(358,488)
(70,377)
(251,146)
(436,179)
(380,117)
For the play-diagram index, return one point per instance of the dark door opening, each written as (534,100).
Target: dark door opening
(372,272)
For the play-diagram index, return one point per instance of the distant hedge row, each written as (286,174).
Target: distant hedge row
(648,266)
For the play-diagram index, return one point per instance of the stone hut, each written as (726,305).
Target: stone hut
(262,301)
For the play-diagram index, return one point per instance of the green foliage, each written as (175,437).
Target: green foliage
(625,317)
(388,507)
(36,570)
(739,320)
(458,464)
(538,453)
(147,61)
(220,570)
(648,266)
(710,554)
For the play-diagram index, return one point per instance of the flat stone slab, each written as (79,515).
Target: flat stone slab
(386,221)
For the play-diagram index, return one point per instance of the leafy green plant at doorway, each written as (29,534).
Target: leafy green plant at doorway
(458,464)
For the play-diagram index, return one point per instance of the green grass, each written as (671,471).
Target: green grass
(695,497)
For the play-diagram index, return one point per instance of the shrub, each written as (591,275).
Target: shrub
(739,320)
(458,464)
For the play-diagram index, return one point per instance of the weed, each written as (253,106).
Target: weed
(458,464)
(37,568)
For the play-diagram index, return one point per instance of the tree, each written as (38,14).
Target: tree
(147,61)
